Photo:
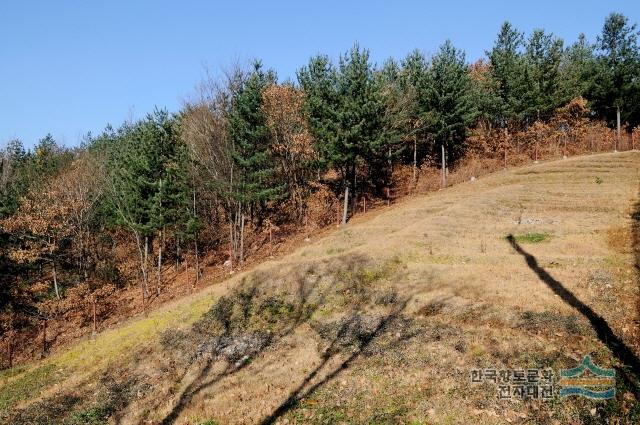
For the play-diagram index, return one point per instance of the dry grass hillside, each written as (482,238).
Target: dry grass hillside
(384,320)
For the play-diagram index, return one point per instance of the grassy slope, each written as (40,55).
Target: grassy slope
(382,321)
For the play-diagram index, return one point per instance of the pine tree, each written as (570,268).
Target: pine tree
(249,134)
(451,99)
(506,69)
(617,84)
(414,87)
(577,69)
(401,122)
(14,176)
(146,169)
(319,82)
(253,185)
(346,111)
(542,94)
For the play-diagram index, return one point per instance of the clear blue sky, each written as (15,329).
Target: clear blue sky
(68,67)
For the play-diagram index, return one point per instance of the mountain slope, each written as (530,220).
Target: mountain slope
(384,320)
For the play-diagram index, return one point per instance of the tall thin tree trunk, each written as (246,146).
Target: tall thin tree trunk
(10,335)
(146,262)
(444,175)
(195,241)
(232,251)
(242,238)
(10,348)
(346,205)
(617,128)
(44,337)
(195,246)
(415,158)
(94,301)
(159,268)
(55,279)
(143,269)
(177,254)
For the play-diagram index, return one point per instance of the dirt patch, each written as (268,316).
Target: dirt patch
(620,239)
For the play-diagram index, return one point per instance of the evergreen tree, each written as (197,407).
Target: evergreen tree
(253,184)
(49,157)
(414,86)
(14,176)
(346,109)
(577,69)
(414,79)
(617,84)
(506,69)
(451,99)
(319,82)
(400,109)
(542,94)
(146,169)
(486,94)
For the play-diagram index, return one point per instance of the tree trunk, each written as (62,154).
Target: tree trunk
(346,205)
(159,267)
(415,159)
(242,238)
(444,164)
(143,269)
(44,337)
(177,254)
(232,251)
(55,279)
(195,241)
(10,349)
(146,262)
(618,128)
(93,313)
(195,246)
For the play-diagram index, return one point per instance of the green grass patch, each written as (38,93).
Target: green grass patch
(532,237)
(28,385)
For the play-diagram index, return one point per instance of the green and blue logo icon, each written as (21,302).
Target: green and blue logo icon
(588,380)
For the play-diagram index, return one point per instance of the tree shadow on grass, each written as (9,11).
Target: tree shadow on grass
(363,341)
(225,333)
(630,369)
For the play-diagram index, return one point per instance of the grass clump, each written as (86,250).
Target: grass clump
(532,237)
(548,321)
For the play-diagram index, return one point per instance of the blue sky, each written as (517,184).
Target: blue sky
(68,67)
